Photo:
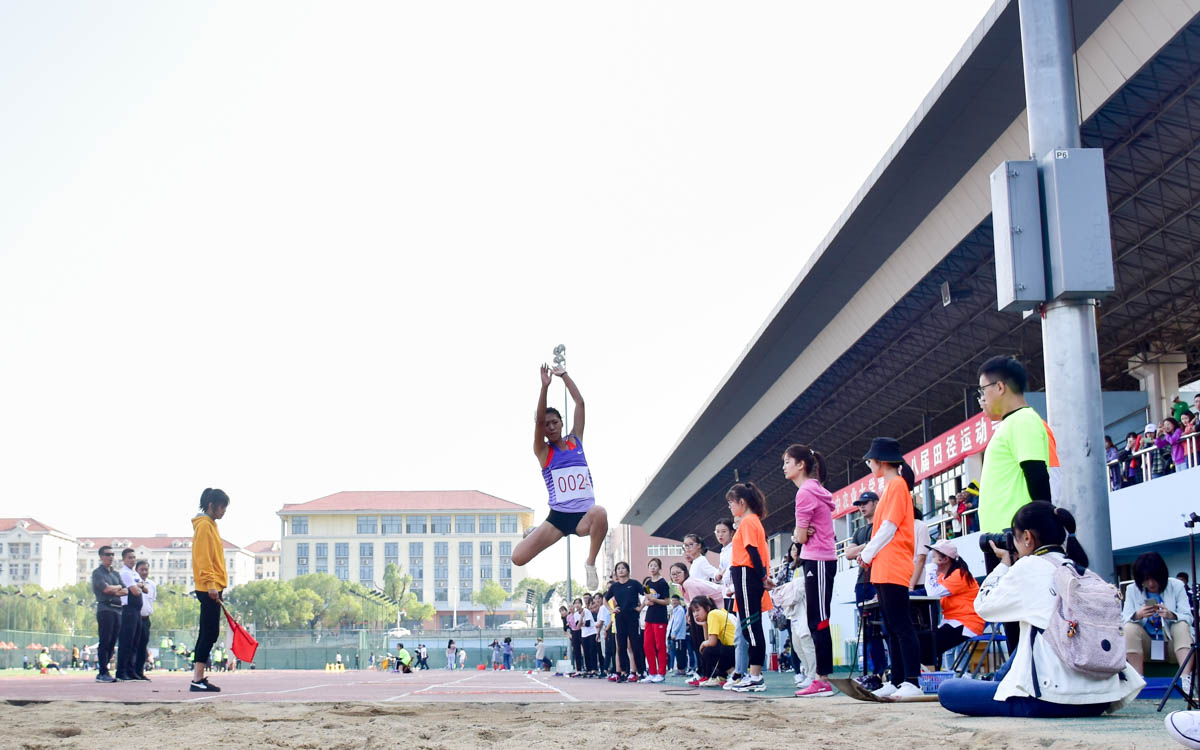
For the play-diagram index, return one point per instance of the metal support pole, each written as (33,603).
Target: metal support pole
(1069,346)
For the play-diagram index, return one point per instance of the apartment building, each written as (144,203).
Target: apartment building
(32,552)
(170,558)
(266,559)
(450,542)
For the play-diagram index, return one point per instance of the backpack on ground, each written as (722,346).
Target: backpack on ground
(1085,631)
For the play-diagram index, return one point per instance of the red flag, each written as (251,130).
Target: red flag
(244,644)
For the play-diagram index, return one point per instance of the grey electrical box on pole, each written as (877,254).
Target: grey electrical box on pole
(1017,233)
(1079,245)
(1078,261)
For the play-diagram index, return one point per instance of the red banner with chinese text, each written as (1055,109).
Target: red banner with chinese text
(943,452)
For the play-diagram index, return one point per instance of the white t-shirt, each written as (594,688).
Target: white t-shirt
(920,539)
(603,615)
(129,577)
(149,595)
(701,568)
(726,564)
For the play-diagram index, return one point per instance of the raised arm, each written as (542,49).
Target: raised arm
(577,422)
(540,448)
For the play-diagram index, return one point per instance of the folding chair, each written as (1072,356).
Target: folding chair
(994,645)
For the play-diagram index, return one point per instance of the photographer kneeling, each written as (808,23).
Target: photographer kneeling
(1039,684)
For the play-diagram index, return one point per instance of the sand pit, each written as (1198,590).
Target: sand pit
(609,716)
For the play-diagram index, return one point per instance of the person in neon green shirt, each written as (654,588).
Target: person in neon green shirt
(405,659)
(45,662)
(1015,464)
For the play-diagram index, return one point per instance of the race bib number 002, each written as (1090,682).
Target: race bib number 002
(572,483)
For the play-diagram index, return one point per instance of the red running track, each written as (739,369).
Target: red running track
(312,686)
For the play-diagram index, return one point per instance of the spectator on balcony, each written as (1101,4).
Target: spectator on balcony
(1131,464)
(1112,457)
(968,500)
(1155,457)
(1189,423)
(1178,407)
(1170,435)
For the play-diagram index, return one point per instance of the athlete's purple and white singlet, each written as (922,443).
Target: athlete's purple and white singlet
(568,478)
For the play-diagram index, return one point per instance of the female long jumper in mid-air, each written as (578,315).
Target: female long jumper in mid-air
(573,508)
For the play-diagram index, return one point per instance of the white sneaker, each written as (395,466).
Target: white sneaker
(804,683)
(907,690)
(734,679)
(885,691)
(658,678)
(1184,728)
(593,579)
(745,681)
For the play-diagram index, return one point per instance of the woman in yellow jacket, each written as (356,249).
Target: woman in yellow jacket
(208,570)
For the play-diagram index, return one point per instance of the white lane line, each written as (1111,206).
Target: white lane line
(566,695)
(428,687)
(258,692)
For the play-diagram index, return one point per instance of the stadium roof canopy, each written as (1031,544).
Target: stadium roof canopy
(861,344)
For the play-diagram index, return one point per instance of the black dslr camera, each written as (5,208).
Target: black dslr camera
(1003,540)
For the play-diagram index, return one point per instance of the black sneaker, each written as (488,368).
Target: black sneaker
(204,686)
(143,678)
(105,678)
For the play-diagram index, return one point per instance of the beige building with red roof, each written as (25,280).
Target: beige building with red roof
(450,542)
(170,558)
(266,559)
(32,552)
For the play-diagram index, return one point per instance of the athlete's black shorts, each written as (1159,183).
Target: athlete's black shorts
(567,523)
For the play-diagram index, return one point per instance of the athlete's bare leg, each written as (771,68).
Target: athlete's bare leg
(541,538)
(594,524)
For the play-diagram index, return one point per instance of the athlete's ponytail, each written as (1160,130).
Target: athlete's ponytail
(1050,526)
(813,462)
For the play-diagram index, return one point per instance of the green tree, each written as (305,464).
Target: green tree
(490,595)
(577,590)
(328,591)
(539,588)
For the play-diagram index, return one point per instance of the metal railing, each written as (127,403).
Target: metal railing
(1191,444)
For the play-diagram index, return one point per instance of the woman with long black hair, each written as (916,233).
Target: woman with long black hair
(623,594)
(751,570)
(805,468)
(1039,684)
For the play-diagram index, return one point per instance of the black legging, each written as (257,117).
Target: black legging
(948,636)
(628,638)
(716,661)
(748,591)
(902,638)
(818,596)
(589,653)
(577,650)
(210,626)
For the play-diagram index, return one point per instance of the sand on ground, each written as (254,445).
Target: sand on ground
(771,724)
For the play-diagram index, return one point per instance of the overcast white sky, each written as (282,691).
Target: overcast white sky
(290,248)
